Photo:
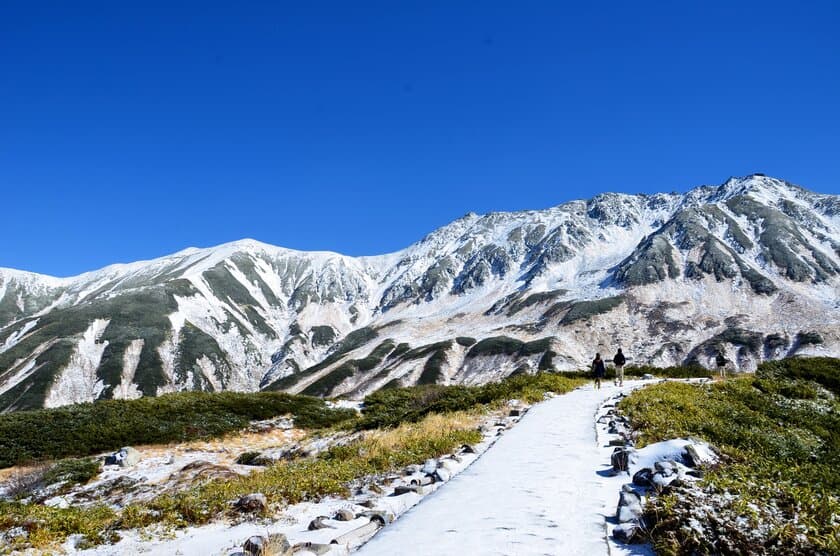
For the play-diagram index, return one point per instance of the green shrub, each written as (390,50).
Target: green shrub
(779,434)
(582,310)
(392,406)
(248,458)
(73,471)
(84,429)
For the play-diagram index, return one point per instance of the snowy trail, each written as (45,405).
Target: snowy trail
(541,489)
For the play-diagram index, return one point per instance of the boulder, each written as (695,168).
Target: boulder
(442,475)
(628,532)
(405,489)
(467,449)
(423,480)
(628,496)
(660,481)
(643,477)
(697,456)
(620,459)
(629,513)
(629,506)
(125,457)
(252,503)
(318,523)
(430,466)
(275,545)
(451,460)
(344,515)
(382,517)
(312,548)
(665,468)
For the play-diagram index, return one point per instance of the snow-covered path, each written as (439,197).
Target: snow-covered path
(538,490)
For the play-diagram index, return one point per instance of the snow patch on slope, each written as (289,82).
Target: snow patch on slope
(127,389)
(78,382)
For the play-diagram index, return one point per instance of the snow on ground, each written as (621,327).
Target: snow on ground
(542,489)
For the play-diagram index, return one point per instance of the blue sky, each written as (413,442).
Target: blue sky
(129,130)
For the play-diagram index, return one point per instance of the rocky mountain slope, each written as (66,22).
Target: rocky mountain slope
(751,267)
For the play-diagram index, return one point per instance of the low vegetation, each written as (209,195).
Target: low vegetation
(392,406)
(85,429)
(778,490)
(399,427)
(330,473)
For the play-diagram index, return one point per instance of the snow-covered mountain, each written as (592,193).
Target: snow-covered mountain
(751,266)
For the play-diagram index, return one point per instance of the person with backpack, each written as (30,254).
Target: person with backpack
(599,371)
(619,360)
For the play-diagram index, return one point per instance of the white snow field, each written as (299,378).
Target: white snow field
(545,487)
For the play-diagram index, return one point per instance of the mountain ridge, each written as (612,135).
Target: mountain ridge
(246,314)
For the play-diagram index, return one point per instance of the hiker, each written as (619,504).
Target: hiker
(619,360)
(598,370)
(721,364)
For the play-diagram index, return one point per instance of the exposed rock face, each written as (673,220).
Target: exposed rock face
(750,267)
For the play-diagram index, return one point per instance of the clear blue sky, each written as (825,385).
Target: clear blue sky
(130,130)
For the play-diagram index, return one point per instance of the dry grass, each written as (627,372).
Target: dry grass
(22,481)
(384,441)
(226,449)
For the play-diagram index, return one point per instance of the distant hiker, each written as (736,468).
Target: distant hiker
(721,364)
(598,370)
(619,361)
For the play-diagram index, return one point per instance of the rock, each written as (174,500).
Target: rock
(382,517)
(275,545)
(515,413)
(696,456)
(318,523)
(450,464)
(632,512)
(405,489)
(312,548)
(620,459)
(629,506)
(442,475)
(665,468)
(423,480)
(125,457)
(618,442)
(648,376)
(199,472)
(373,487)
(369,503)
(430,466)
(628,496)
(252,503)
(344,515)
(467,449)
(643,477)
(660,481)
(411,469)
(628,532)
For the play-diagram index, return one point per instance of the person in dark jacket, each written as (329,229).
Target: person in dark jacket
(721,364)
(599,371)
(619,361)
